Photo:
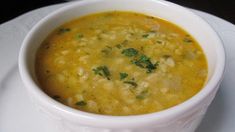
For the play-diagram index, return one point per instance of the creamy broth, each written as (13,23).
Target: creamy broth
(120,63)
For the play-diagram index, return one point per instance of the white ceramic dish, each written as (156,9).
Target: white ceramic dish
(17,113)
(181,118)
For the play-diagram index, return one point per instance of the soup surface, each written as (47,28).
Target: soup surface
(120,63)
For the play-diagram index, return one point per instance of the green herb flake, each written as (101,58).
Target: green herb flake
(144,59)
(102,71)
(142,95)
(123,75)
(63,30)
(140,60)
(151,67)
(81,103)
(79,36)
(130,52)
(134,84)
(188,39)
(159,41)
(145,35)
(144,62)
(137,63)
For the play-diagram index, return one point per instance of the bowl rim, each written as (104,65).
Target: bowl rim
(169,113)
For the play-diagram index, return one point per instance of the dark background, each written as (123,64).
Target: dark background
(221,8)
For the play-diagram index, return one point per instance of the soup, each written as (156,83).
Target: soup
(120,63)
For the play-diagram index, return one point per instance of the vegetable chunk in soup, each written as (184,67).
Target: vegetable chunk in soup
(120,63)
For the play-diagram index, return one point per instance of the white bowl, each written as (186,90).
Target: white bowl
(184,117)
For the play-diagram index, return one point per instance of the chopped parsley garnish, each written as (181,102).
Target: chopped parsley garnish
(81,103)
(144,62)
(159,41)
(151,67)
(130,52)
(134,84)
(187,39)
(123,75)
(63,30)
(79,36)
(140,60)
(145,35)
(150,34)
(102,71)
(142,95)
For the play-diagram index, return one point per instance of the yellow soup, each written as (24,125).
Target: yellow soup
(120,63)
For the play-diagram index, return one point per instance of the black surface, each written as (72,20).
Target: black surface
(10,9)
(221,8)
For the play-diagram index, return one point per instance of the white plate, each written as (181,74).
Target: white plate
(17,113)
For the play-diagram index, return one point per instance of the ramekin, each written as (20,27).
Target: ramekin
(184,117)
